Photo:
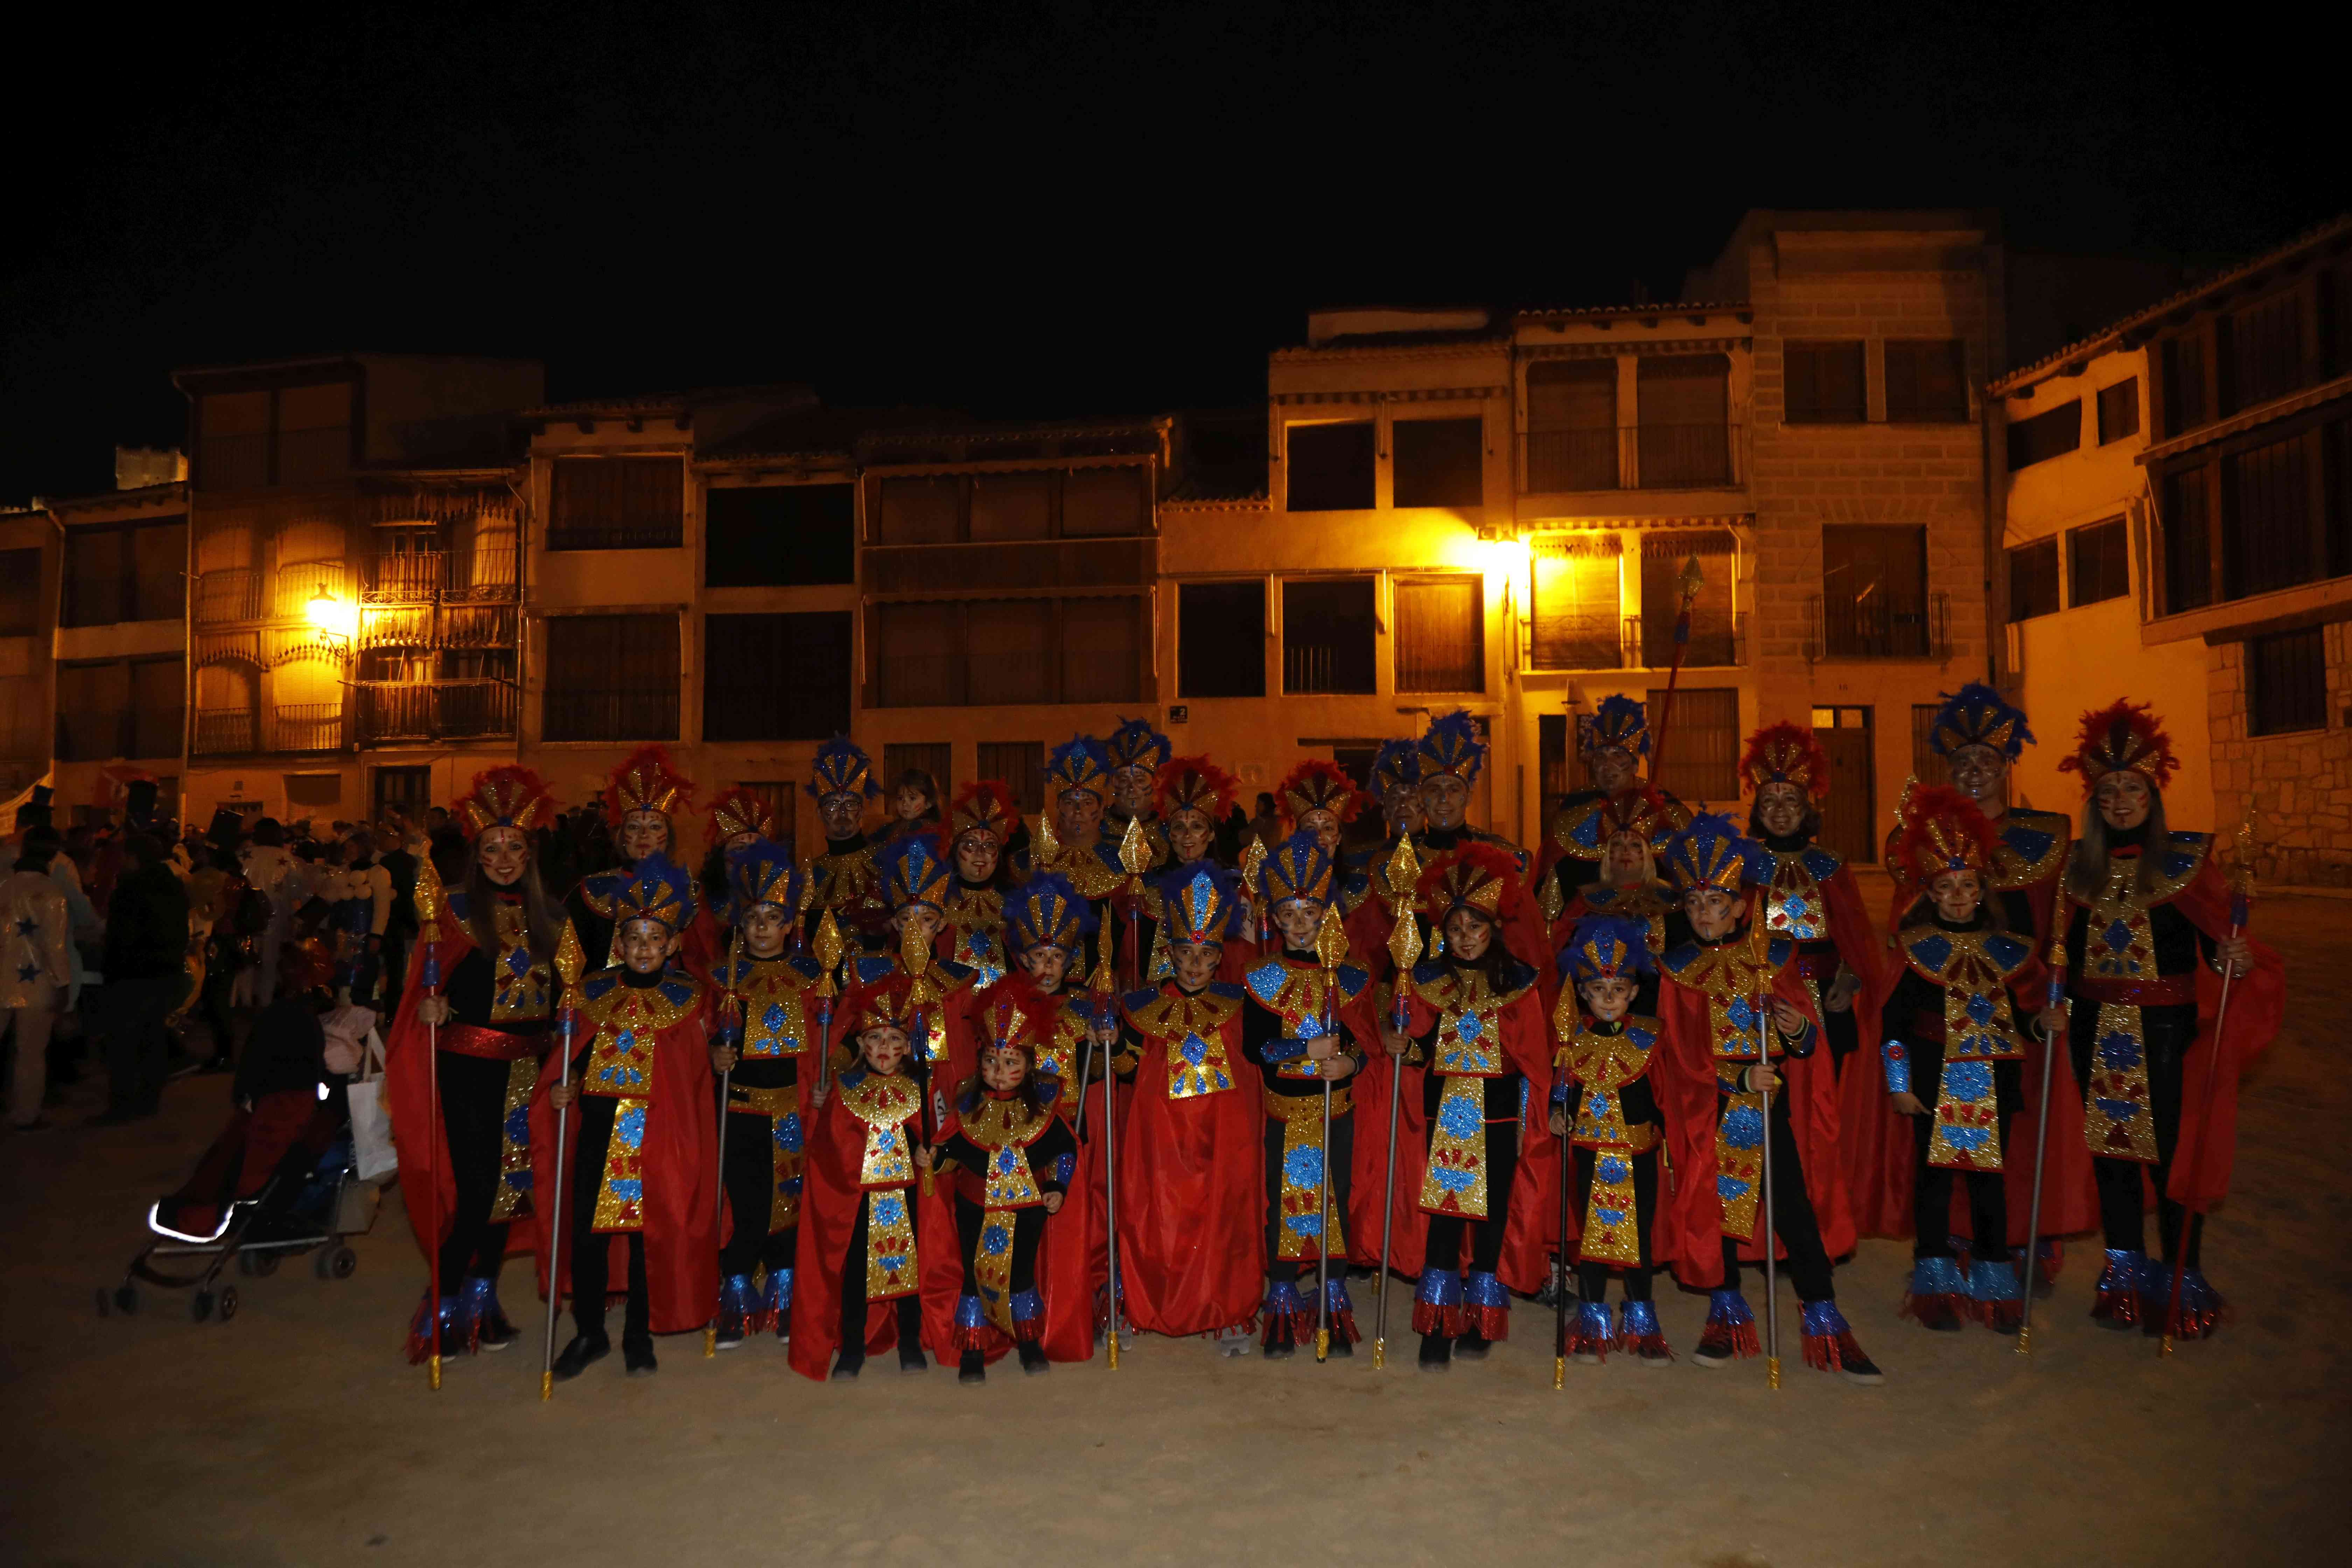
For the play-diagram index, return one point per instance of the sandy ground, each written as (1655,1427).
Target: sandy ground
(297,1435)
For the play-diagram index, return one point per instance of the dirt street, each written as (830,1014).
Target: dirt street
(297,1433)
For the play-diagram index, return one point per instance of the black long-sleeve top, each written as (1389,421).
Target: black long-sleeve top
(2179,945)
(1053,1161)
(1267,1047)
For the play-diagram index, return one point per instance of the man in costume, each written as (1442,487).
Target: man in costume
(1474,1020)
(641,800)
(769,1036)
(1452,756)
(1738,1023)
(1072,843)
(477,1013)
(1304,1028)
(643,1161)
(1613,740)
(980,822)
(1136,752)
(846,880)
(917,881)
(737,817)
(1189,1157)
(2148,933)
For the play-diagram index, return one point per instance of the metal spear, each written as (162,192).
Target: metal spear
(731,1033)
(1405,952)
(568,964)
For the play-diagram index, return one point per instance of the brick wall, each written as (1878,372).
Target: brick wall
(2301,783)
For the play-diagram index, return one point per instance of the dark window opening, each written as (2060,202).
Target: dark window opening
(1875,592)
(612,678)
(2184,384)
(1020,767)
(1572,424)
(1000,652)
(1824,383)
(2271,538)
(779,536)
(2262,356)
(20,591)
(1328,636)
(2188,541)
(1221,639)
(1684,405)
(2098,563)
(2033,579)
(936,758)
(1440,462)
(617,503)
(1927,381)
(2119,410)
(1330,468)
(2286,681)
(776,676)
(1702,763)
(131,572)
(2045,435)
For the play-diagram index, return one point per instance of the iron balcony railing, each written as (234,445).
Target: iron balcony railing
(1716,639)
(1645,457)
(306,727)
(1578,642)
(426,575)
(222,731)
(231,594)
(1876,625)
(434,711)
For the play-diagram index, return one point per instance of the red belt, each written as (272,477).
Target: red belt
(496,1045)
(2164,990)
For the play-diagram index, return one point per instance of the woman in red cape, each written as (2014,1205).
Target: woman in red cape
(1191,1159)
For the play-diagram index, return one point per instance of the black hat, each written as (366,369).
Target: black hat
(35,812)
(139,803)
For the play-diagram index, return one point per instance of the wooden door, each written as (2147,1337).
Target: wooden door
(1849,815)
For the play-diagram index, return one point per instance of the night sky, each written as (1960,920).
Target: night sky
(1035,210)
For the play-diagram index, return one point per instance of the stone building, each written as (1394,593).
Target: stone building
(2175,499)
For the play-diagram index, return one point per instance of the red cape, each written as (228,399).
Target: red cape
(1681,1075)
(2257,1007)
(681,1160)
(830,1197)
(1192,1188)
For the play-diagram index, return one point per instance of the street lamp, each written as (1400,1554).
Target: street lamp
(333,618)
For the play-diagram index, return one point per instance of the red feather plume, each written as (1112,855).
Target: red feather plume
(2123,734)
(984,805)
(1315,785)
(1464,869)
(1786,753)
(1193,783)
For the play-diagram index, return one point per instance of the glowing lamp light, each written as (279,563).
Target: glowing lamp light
(330,614)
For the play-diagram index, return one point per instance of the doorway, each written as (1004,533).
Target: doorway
(1850,814)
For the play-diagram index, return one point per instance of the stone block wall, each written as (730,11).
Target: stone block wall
(2300,783)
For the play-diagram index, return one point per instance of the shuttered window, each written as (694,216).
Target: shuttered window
(1824,383)
(2045,435)
(1703,743)
(1440,641)
(1329,632)
(2271,540)
(2286,681)
(2098,563)
(1011,643)
(1020,767)
(612,678)
(2119,410)
(1683,401)
(776,676)
(2188,541)
(1714,629)
(1926,382)
(1575,620)
(1572,424)
(617,503)
(1101,650)
(2033,579)
(1439,462)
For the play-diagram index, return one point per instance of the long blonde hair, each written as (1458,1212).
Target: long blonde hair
(2086,869)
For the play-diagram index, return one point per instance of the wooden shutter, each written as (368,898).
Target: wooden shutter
(1441,635)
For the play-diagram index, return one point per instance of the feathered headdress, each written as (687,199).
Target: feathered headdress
(1977,715)
(1452,746)
(1136,744)
(1476,876)
(1205,906)
(984,805)
(658,890)
(842,767)
(1713,853)
(1297,868)
(1079,763)
(646,782)
(739,809)
(1047,910)
(1938,829)
(1193,783)
(1396,765)
(762,872)
(1004,1023)
(2122,735)
(1617,722)
(504,797)
(917,871)
(1606,947)
(1641,811)
(1315,785)
(886,1004)
(1785,754)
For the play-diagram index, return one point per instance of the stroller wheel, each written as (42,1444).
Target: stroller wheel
(105,1302)
(200,1306)
(337,1262)
(227,1303)
(126,1299)
(264,1264)
(244,1264)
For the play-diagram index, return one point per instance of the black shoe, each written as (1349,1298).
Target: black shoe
(1341,1344)
(1436,1352)
(729,1335)
(849,1363)
(911,1359)
(1856,1367)
(1032,1358)
(497,1334)
(1473,1347)
(638,1355)
(971,1367)
(579,1354)
(1938,1316)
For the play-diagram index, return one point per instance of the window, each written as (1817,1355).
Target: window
(1683,403)
(612,678)
(2262,355)
(1010,506)
(1328,636)
(159,698)
(2119,410)
(1013,506)
(2187,540)
(1703,762)
(1572,424)
(917,659)
(1824,383)
(1927,381)
(996,652)
(617,503)
(20,593)
(120,708)
(1020,767)
(2098,564)
(1102,649)
(1221,639)
(125,572)
(1097,503)
(1925,765)
(2287,682)
(2184,384)
(920,511)
(936,758)
(1850,814)
(1331,468)
(1441,634)
(779,536)
(2033,579)
(776,676)
(2045,435)
(1439,462)
(1573,621)
(2269,537)
(293,435)
(314,434)
(1552,758)
(408,790)
(1875,592)
(1714,629)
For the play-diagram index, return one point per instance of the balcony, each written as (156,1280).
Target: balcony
(1879,626)
(612,714)
(233,595)
(1647,456)
(437,710)
(1589,641)
(421,577)
(306,727)
(1717,639)
(223,732)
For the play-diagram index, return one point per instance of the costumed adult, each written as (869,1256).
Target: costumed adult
(477,1015)
(1137,753)
(1452,757)
(643,799)
(1396,783)
(845,881)
(981,824)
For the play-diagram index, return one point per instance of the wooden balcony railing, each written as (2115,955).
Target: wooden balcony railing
(1879,625)
(1647,456)
(222,731)
(434,711)
(232,595)
(481,576)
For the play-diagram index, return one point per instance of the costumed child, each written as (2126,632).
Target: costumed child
(1474,1017)
(1302,1031)
(980,822)
(1190,1154)
(643,1158)
(768,1041)
(845,881)
(1952,1050)
(916,878)
(1011,1160)
(641,800)
(1616,1135)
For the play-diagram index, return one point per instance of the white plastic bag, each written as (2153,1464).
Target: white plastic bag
(372,1145)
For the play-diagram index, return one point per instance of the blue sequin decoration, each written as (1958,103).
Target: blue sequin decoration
(890,1208)
(628,1190)
(1460,1117)
(1743,1127)
(1731,1189)
(1981,1009)
(1967,1080)
(996,1240)
(787,1129)
(518,962)
(2117,935)
(968,1313)
(1610,1217)
(773,1019)
(1614,1168)
(1303,1167)
(518,1125)
(1469,1026)
(630,1128)
(1742,1013)
(1195,1049)
(1639,1319)
(2118,1050)
(1822,1320)
(1453,1179)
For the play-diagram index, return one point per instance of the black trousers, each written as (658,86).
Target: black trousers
(220,979)
(473,1115)
(1339,1158)
(1931,1185)
(137,1044)
(1592,1279)
(592,1249)
(1444,1236)
(750,1173)
(1792,1215)
(853,1291)
(1028,1230)
(2168,1033)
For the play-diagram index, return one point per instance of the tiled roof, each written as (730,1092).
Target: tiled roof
(1212,489)
(1656,308)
